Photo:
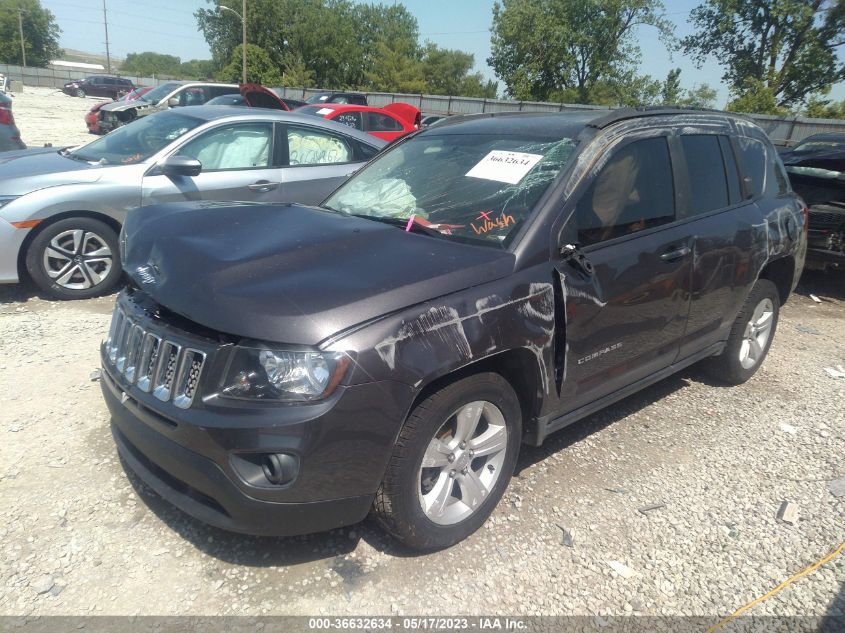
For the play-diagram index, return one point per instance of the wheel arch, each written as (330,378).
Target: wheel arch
(518,366)
(23,273)
(781,272)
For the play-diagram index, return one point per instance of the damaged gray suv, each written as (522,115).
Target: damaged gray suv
(288,369)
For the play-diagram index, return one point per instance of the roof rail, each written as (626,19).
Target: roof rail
(623,114)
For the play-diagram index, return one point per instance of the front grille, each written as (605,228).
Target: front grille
(824,220)
(165,368)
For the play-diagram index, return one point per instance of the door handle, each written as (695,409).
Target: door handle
(671,256)
(263,185)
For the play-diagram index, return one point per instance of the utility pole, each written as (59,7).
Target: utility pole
(243,46)
(106,25)
(20,30)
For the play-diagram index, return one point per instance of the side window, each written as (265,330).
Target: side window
(634,190)
(731,170)
(219,91)
(109,81)
(241,146)
(753,156)
(379,122)
(366,152)
(358,100)
(706,171)
(351,119)
(196,95)
(310,146)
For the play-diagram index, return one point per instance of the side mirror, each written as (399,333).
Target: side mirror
(180,166)
(173,102)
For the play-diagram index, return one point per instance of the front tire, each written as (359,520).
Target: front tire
(80,92)
(452,463)
(76,258)
(750,338)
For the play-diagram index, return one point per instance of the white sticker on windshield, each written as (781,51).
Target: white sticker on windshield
(501,166)
(325,111)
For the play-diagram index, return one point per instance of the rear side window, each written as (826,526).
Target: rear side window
(309,146)
(777,183)
(379,122)
(753,156)
(634,191)
(706,171)
(351,119)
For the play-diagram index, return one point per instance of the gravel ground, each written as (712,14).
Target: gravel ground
(45,115)
(79,537)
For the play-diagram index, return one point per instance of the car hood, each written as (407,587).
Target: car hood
(833,159)
(121,106)
(26,171)
(292,274)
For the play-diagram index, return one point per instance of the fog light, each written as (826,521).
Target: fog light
(279,468)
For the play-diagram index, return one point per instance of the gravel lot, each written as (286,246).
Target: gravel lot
(45,116)
(78,537)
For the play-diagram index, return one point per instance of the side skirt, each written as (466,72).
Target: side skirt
(545,425)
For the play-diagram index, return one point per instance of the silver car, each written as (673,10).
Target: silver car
(61,211)
(174,94)
(10,136)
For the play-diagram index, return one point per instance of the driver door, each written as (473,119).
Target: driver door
(239,163)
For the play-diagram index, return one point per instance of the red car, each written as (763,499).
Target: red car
(388,123)
(93,117)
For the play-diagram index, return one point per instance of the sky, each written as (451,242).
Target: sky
(168,26)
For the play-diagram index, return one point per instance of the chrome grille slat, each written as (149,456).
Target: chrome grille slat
(147,361)
(153,363)
(187,377)
(166,370)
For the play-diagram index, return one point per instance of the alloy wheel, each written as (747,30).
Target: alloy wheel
(77,259)
(757,334)
(463,462)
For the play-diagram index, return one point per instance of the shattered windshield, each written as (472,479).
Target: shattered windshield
(138,140)
(472,186)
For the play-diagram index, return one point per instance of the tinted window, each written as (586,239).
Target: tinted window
(196,95)
(632,192)
(309,146)
(367,151)
(243,146)
(216,91)
(731,170)
(358,99)
(352,119)
(379,122)
(706,170)
(753,157)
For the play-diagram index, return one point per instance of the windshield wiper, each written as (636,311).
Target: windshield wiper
(401,223)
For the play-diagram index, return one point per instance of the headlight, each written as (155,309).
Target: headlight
(4,200)
(276,375)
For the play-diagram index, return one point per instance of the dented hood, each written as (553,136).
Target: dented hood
(292,274)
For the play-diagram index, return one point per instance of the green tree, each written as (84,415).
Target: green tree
(259,67)
(755,97)
(702,96)
(148,64)
(820,108)
(395,71)
(475,85)
(775,51)
(671,91)
(541,47)
(40,33)
(197,69)
(445,70)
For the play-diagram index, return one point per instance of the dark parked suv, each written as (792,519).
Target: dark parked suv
(481,284)
(99,86)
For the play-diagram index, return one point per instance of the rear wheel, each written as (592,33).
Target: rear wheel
(452,463)
(74,258)
(750,337)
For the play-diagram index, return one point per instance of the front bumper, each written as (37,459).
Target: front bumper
(194,457)
(11,239)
